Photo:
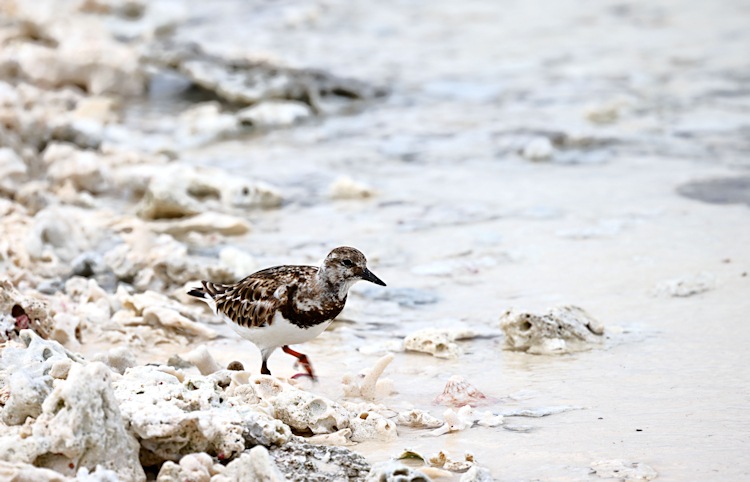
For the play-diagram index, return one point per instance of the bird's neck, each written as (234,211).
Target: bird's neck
(332,286)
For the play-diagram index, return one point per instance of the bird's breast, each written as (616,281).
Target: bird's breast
(306,312)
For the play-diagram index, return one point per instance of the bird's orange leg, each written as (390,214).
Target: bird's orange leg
(302,360)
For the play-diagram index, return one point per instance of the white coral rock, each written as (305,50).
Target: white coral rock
(80,426)
(369,425)
(437,342)
(173,418)
(418,419)
(368,385)
(563,329)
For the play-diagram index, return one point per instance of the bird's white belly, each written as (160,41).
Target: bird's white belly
(281,332)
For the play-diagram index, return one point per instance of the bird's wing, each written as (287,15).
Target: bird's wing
(253,301)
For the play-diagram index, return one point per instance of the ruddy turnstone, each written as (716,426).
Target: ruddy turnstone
(286,305)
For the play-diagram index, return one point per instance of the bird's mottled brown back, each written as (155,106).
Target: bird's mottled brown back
(253,301)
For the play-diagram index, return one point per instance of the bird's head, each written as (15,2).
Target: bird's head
(344,266)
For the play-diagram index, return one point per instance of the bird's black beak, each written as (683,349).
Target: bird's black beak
(368,276)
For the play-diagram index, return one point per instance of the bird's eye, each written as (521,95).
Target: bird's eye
(347,262)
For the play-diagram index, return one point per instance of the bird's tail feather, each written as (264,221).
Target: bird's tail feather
(197,292)
(208,290)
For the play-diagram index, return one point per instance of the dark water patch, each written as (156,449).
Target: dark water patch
(729,190)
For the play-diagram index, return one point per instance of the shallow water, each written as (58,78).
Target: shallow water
(637,99)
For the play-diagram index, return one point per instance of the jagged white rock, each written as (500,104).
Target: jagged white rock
(439,342)
(202,359)
(23,472)
(59,233)
(204,223)
(563,329)
(205,122)
(477,474)
(345,187)
(40,319)
(118,358)
(337,439)
(370,425)
(25,372)
(253,465)
(85,170)
(538,149)
(416,418)
(370,385)
(393,471)
(274,113)
(466,417)
(198,467)
(171,418)
(12,169)
(445,461)
(306,411)
(80,426)
(173,192)
(155,309)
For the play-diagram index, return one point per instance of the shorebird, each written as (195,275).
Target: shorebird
(285,305)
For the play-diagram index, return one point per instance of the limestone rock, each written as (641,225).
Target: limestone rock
(256,464)
(59,234)
(392,471)
(466,417)
(25,312)
(86,170)
(418,419)
(445,461)
(80,426)
(437,342)
(562,329)
(347,188)
(274,113)
(306,411)
(118,358)
(194,467)
(79,53)
(172,418)
(205,122)
(477,474)
(206,223)
(12,169)
(25,373)
(201,358)
(300,461)
(156,310)
(370,425)
(248,82)
(538,149)
(23,472)
(174,192)
(368,385)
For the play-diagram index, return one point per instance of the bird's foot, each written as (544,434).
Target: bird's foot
(303,361)
(304,375)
